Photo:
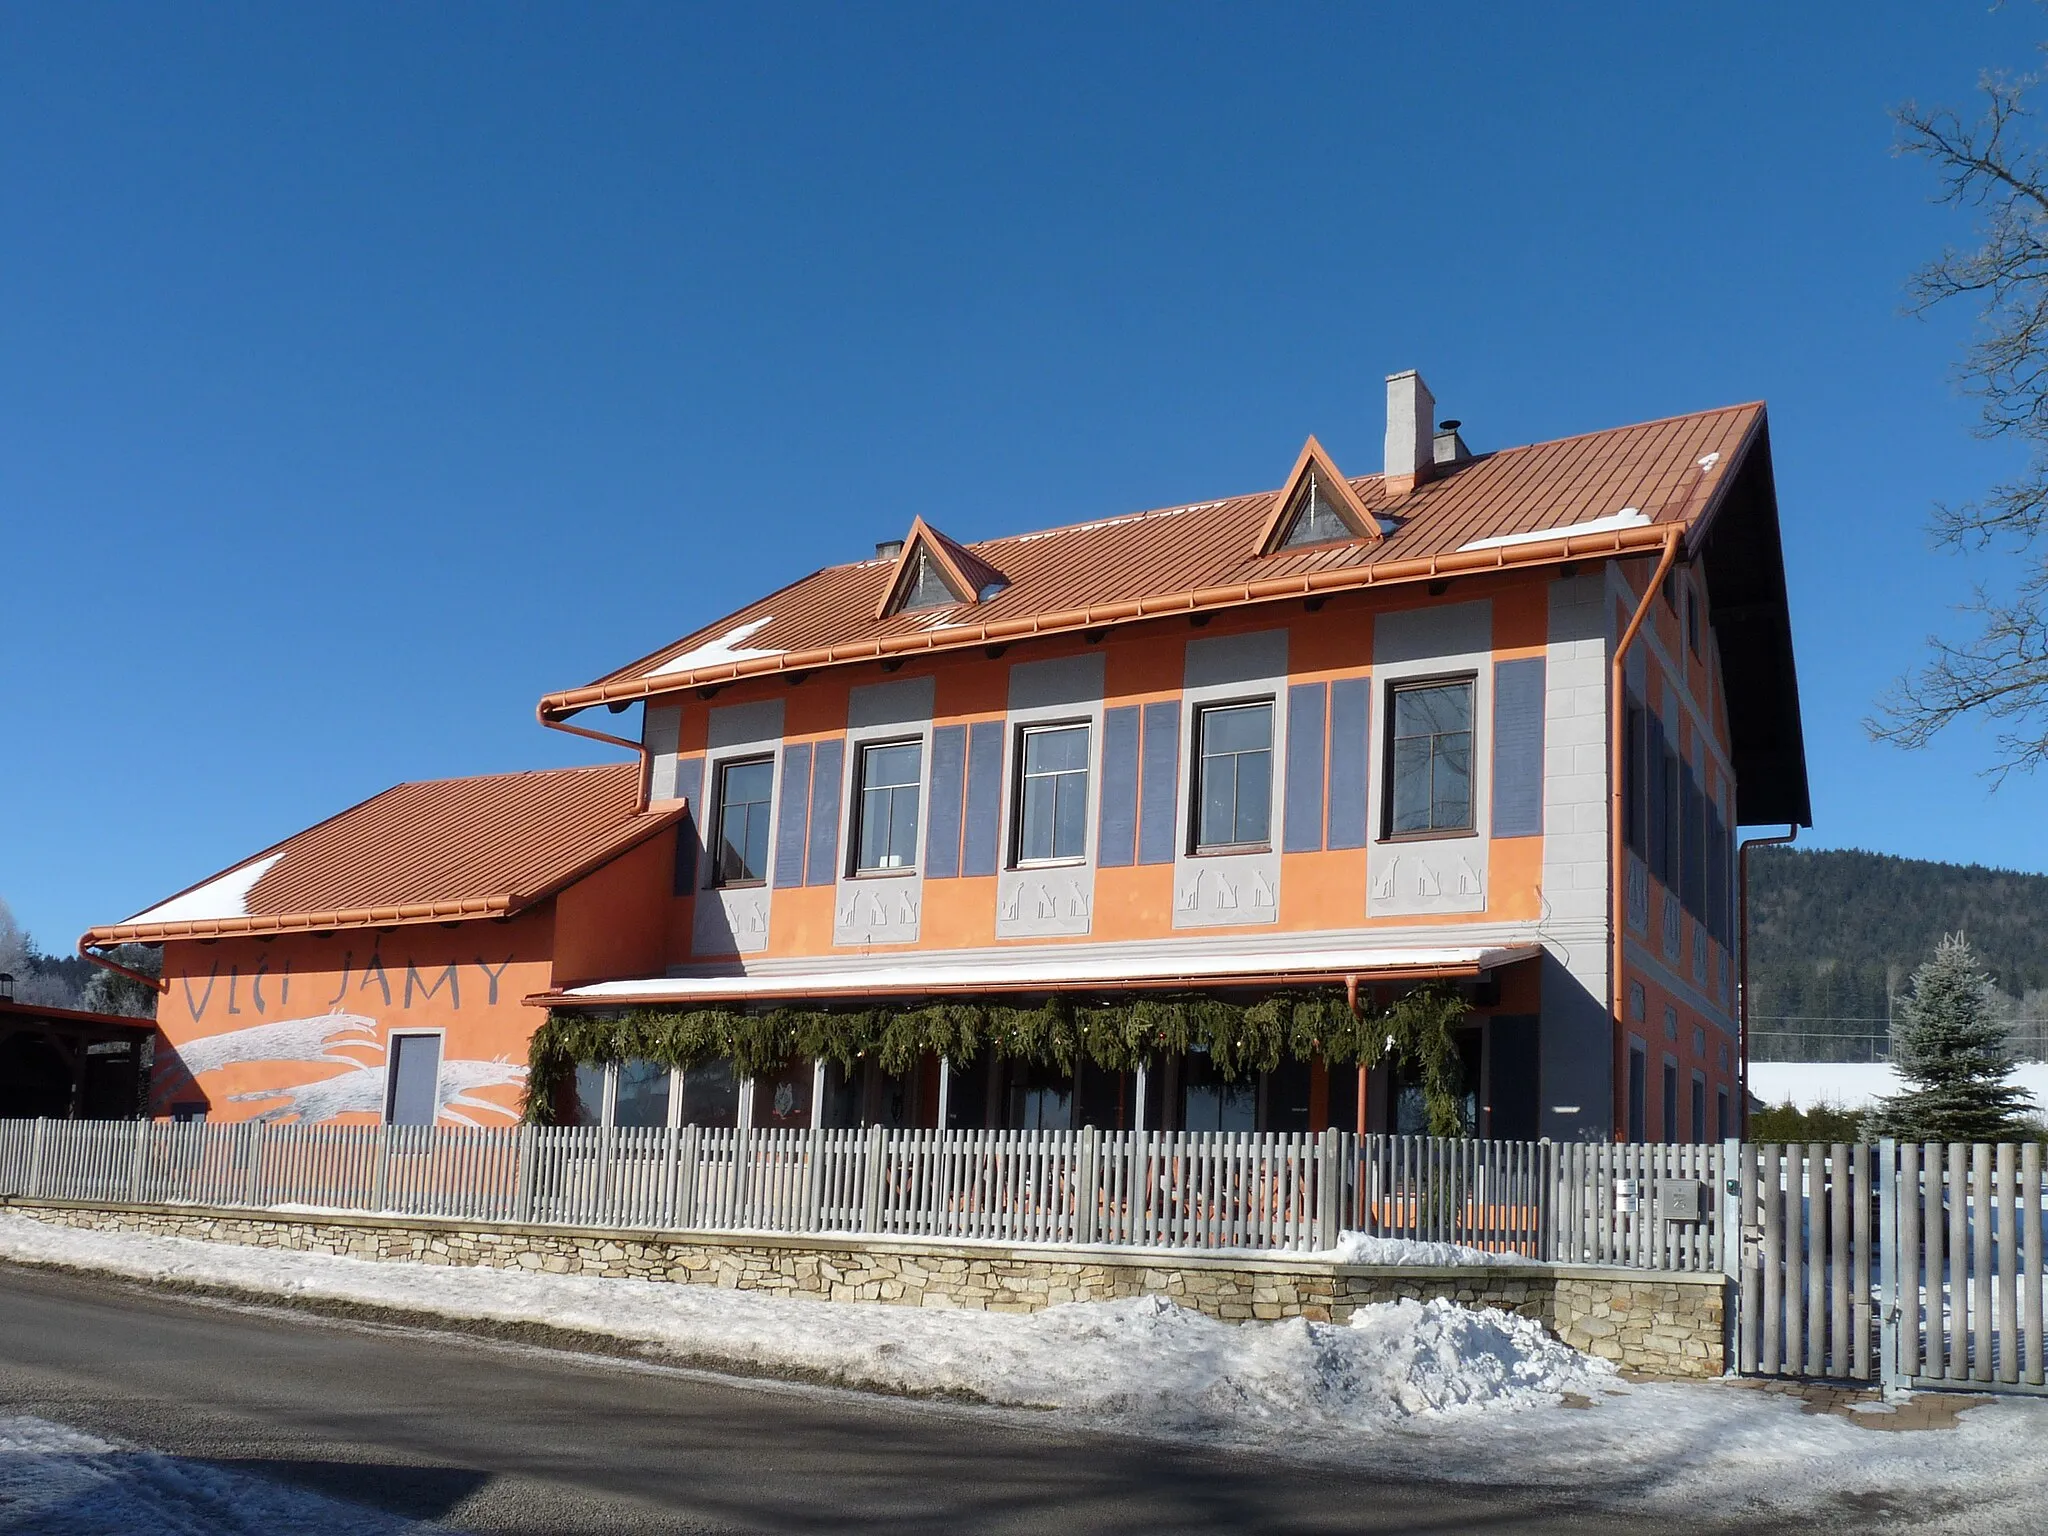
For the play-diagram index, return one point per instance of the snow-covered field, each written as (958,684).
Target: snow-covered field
(1423,1389)
(1857,1084)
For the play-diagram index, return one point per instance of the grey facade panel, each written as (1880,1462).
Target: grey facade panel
(828,767)
(1303,832)
(689,785)
(792,814)
(1518,691)
(1350,710)
(982,837)
(1160,787)
(1117,836)
(949,777)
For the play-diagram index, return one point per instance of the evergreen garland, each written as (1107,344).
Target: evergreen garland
(1241,1038)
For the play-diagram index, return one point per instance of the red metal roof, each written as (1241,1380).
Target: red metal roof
(433,851)
(1177,559)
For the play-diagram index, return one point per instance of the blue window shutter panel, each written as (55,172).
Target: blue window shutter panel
(1518,747)
(949,777)
(1303,829)
(984,798)
(1116,838)
(793,811)
(689,831)
(1160,788)
(828,767)
(1350,710)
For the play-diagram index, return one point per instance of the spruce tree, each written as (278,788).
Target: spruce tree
(1954,1057)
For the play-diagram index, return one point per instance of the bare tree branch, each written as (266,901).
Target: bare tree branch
(1998,167)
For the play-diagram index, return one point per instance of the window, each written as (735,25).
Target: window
(1721,1122)
(1315,518)
(1670,1127)
(1692,621)
(1638,1092)
(1699,1107)
(412,1086)
(1431,768)
(927,587)
(1052,800)
(640,1094)
(888,806)
(1234,776)
(1632,827)
(743,792)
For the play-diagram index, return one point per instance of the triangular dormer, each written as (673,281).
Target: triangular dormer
(1317,506)
(935,572)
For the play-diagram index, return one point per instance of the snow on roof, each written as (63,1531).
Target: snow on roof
(922,973)
(725,648)
(1627,517)
(223,896)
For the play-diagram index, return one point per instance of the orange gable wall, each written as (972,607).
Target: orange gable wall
(614,921)
(299,1028)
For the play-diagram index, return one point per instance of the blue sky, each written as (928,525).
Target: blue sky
(365,372)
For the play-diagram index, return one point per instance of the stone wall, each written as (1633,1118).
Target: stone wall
(1656,1324)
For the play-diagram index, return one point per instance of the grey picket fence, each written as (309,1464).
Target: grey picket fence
(1278,1192)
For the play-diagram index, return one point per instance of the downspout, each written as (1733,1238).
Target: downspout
(646,757)
(1617,744)
(154,983)
(1742,931)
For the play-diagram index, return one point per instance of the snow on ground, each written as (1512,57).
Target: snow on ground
(1856,1084)
(1357,1248)
(1419,1389)
(63,1482)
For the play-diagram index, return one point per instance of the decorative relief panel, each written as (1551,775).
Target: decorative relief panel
(1225,890)
(1671,927)
(1045,902)
(1638,895)
(1699,956)
(881,911)
(1420,878)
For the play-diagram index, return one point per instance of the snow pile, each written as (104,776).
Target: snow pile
(1144,1361)
(1404,1252)
(64,1482)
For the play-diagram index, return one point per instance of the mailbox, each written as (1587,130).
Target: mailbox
(1680,1200)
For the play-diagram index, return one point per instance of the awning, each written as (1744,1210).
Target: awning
(1039,971)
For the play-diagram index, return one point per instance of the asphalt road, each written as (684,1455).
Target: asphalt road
(487,1436)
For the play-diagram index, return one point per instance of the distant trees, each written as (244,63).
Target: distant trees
(1952,1051)
(68,982)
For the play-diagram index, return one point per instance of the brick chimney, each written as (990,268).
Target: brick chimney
(1411,420)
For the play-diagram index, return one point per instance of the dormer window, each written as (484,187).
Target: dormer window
(1317,507)
(927,587)
(932,571)
(1314,518)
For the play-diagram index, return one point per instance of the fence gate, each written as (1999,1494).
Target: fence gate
(1961,1283)
(1809,1264)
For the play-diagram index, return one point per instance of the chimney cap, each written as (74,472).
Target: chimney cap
(1450,425)
(888,549)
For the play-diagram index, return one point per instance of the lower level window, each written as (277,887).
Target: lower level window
(412,1093)
(1234,776)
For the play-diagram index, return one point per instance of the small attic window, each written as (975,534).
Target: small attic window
(1314,518)
(927,586)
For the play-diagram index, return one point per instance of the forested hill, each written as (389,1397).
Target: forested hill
(1833,931)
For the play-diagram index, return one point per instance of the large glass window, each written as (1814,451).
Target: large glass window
(1052,809)
(1234,776)
(744,790)
(1431,775)
(641,1094)
(888,805)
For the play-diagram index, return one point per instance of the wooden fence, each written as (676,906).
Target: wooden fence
(1604,1205)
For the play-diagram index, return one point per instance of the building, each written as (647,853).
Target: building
(1480,724)
(67,1064)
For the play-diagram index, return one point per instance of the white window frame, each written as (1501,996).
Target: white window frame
(1023,779)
